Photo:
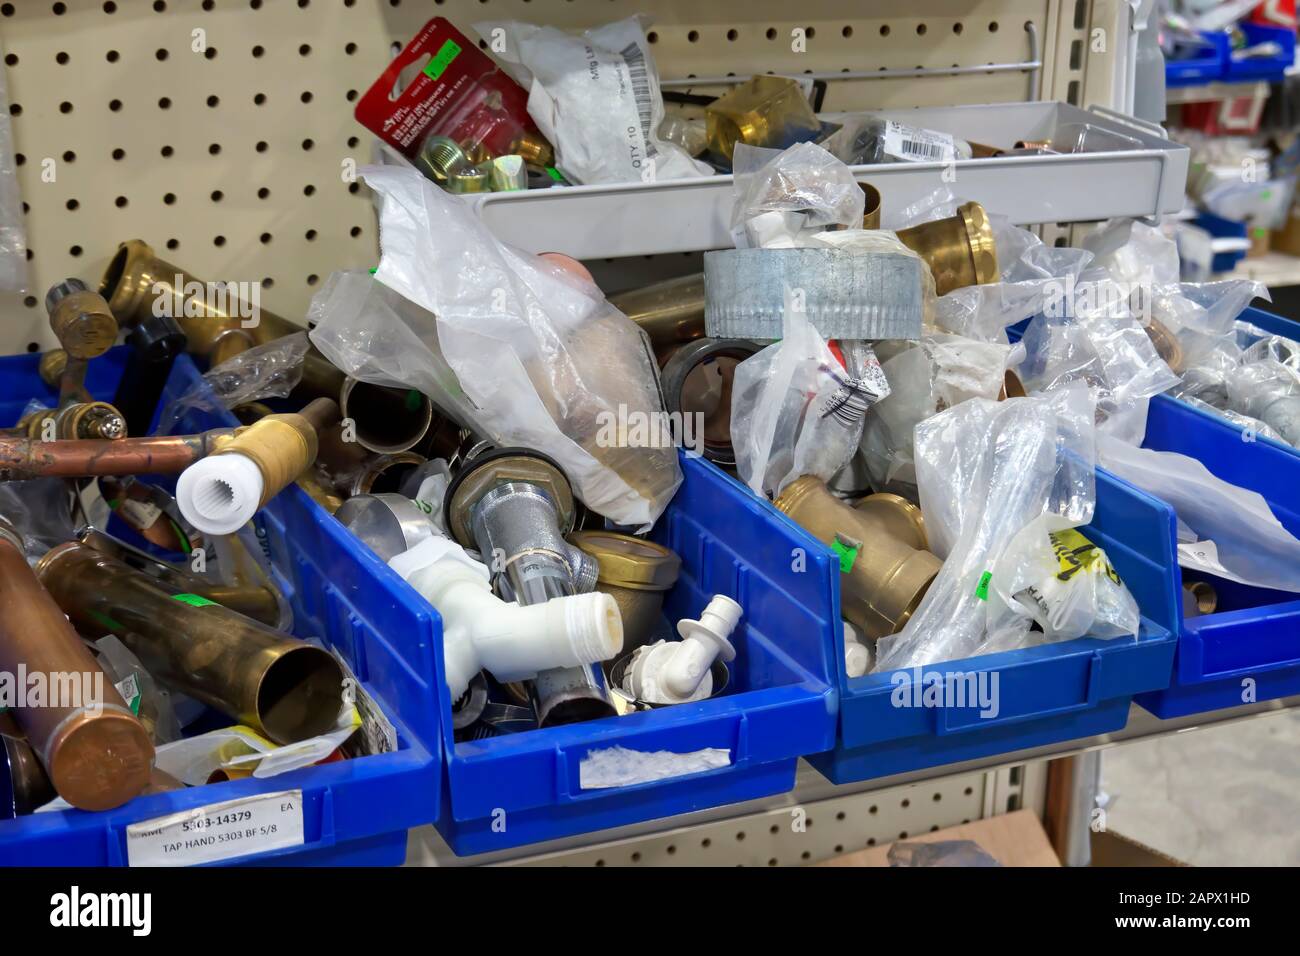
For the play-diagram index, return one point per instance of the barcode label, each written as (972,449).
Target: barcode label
(924,150)
(849,403)
(639,76)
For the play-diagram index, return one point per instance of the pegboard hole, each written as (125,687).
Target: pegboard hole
(884,29)
(312,280)
(15,109)
(169,199)
(208,5)
(7,9)
(257,52)
(355,231)
(268,283)
(306,96)
(873,809)
(218,241)
(993,26)
(354,188)
(165,103)
(61,58)
(308,190)
(173,243)
(846,32)
(112,56)
(74,251)
(255,4)
(119,154)
(65,107)
(69,156)
(310,235)
(350,49)
(159,6)
(351,95)
(166,152)
(59,9)
(733,34)
(259,99)
(114,105)
(810,32)
(921,29)
(264,193)
(652,37)
(217,195)
(210,53)
(213,101)
(265,238)
(121,202)
(11,59)
(72,205)
(304,49)
(110,7)
(693,36)
(33,346)
(160,54)
(30,301)
(353,142)
(214,149)
(957,28)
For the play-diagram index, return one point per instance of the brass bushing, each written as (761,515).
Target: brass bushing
(891,570)
(480,475)
(959,250)
(636,573)
(871,209)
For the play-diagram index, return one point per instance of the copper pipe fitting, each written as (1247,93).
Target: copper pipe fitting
(284,688)
(891,569)
(382,473)
(52,366)
(637,574)
(23,458)
(282,446)
(670,312)
(80,319)
(387,420)
(871,208)
(97,754)
(136,278)
(1199,597)
(959,250)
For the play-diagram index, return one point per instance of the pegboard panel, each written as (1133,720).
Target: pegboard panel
(218,130)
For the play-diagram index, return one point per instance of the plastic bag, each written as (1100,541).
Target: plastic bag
(985,471)
(265,371)
(1249,544)
(937,373)
(940,853)
(521,350)
(782,198)
(796,410)
(148,701)
(40,511)
(1264,386)
(596,98)
(13,232)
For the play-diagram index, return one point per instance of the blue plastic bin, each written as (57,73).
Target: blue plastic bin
(354,811)
(1205,66)
(1268,68)
(1218,226)
(1248,650)
(525,788)
(1044,694)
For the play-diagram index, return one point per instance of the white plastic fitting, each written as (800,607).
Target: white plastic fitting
(219,494)
(858,654)
(678,673)
(482,632)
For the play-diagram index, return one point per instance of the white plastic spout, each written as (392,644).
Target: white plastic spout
(219,494)
(664,673)
(483,632)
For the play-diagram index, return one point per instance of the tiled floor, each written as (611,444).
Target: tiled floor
(1226,796)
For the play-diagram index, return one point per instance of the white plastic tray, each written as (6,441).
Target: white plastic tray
(592,222)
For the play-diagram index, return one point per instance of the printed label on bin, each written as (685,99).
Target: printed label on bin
(219,831)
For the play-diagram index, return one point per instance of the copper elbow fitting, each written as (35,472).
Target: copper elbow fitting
(891,569)
(285,689)
(96,753)
(959,250)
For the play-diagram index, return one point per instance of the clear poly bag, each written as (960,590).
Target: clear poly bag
(796,410)
(13,232)
(40,511)
(265,371)
(1247,542)
(596,97)
(508,343)
(782,198)
(985,471)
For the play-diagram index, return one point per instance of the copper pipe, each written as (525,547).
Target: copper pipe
(284,688)
(97,754)
(22,458)
(386,420)
(890,568)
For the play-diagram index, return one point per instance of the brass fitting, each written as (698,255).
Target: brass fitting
(883,538)
(219,494)
(97,754)
(959,250)
(387,420)
(1166,345)
(75,420)
(51,367)
(382,473)
(80,319)
(636,573)
(871,207)
(284,688)
(769,111)
(1199,597)
(136,278)
(670,312)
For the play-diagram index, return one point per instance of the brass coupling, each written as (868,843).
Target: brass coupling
(882,546)
(959,250)
(637,574)
(73,421)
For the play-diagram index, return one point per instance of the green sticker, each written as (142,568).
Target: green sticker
(194,600)
(847,556)
(105,621)
(554,174)
(374,270)
(448,52)
(982,589)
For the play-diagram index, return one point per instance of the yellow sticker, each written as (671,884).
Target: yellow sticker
(1075,553)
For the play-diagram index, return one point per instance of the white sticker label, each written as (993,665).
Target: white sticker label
(219,831)
(129,688)
(917,145)
(141,514)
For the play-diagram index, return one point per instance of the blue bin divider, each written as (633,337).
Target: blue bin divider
(354,811)
(1270,68)
(1250,649)
(525,788)
(1044,694)
(1206,66)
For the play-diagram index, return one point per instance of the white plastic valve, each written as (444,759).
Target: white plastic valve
(513,643)
(677,673)
(859,657)
(219,494)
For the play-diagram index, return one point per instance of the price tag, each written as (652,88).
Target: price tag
(219,831)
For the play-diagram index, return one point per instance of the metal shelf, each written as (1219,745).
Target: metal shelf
(426,848)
